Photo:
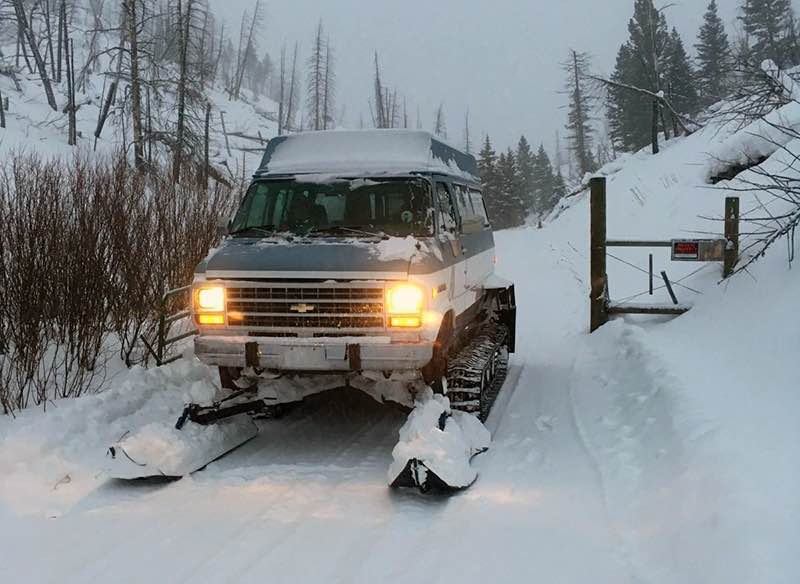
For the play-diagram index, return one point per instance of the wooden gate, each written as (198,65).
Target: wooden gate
(725,250)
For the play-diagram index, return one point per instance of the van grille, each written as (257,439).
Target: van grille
(333,308)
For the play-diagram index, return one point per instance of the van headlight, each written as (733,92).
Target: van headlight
(209,304)
(404,305)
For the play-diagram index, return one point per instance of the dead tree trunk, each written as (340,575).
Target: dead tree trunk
(136,85)
(73,130)
(654,126)
(292,85)
(49,30)
(22,21)
(206,140)
(62,26)
(2,112)
(225,132)
(101,120)
(183,25)
(282,96)
(21,49)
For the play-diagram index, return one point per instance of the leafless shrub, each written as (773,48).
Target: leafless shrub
(86,251)
(756,94)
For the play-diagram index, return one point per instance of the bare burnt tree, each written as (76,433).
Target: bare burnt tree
(294,93)
(27,32)
(439,122)
(281,98)
(184,26)
(384,105)
(248,44)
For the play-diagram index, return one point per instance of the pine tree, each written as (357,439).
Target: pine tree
(525,167)
(511,211)
(580,110)
(771,28)
(640,63)
(714,57)
(487,166)
(544,182)
(681,88)
(559,189)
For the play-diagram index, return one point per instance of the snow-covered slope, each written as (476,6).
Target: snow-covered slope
(33,127)
(655,450)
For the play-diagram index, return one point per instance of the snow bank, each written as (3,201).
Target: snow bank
(446,452)
(64,448)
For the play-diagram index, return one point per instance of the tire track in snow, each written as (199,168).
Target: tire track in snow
(581,439)
(371,425)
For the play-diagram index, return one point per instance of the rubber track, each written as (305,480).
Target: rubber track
(467,369)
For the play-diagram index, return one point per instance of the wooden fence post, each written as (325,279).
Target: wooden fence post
(598,298)
(731,235)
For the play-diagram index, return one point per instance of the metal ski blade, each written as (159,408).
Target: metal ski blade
(416,474)
(162,451)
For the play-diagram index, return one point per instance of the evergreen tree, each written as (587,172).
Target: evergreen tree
(512,212)
(487,166)
(559,189)
(640,63)
(713,57)
(681,89)
(580,110)
(771,28)
(525,161)
(544,182)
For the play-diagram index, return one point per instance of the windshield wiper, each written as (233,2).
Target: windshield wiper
(353,230)
(265,230)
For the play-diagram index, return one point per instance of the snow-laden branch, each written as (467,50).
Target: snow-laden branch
(683,121)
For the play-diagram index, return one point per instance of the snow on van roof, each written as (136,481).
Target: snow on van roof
(365,152)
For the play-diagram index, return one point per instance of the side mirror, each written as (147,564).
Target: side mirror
(223,226)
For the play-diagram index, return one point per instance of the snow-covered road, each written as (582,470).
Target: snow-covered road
(597,473)
(306,501)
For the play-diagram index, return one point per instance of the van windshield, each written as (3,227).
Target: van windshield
(348,207)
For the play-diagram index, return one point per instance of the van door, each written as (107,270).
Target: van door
(481,240)
(476,238)
(449,233)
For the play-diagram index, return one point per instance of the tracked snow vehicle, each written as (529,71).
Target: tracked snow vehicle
(362,259)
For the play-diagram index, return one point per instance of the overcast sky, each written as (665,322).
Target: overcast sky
(500,58)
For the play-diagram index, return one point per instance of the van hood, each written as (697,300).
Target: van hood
(359,258)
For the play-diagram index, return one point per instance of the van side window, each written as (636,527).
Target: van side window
(478,204)
(448,221)
(465,208)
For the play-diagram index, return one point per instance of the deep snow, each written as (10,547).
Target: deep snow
(653,451)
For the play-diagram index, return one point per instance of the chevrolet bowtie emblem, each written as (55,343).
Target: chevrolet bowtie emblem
(302,308)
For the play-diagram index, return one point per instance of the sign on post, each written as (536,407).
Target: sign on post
(698,250)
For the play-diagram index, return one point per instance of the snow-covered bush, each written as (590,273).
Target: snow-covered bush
(86,251)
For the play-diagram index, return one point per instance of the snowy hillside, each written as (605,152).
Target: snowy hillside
(654,451)
(32,126)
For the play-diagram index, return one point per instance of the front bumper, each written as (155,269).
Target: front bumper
(313,354)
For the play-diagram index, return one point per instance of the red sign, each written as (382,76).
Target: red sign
(686,250)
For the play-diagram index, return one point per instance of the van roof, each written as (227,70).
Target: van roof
(365,152)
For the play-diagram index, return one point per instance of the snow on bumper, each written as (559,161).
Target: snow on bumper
(313,354)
